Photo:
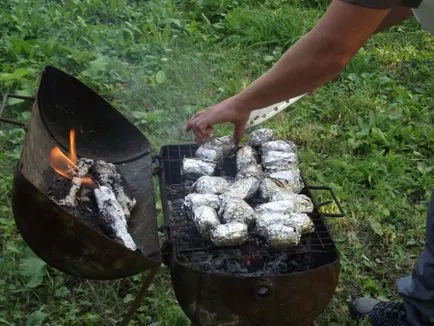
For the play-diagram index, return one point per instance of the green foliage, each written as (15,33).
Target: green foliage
(368,135)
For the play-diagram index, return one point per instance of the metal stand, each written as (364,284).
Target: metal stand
(139,298)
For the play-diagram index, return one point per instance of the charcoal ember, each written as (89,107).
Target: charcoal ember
(290,180)
(209,153)
(278,161)
(246,156)
(193,201)
(302,202)
(211,185)
(205,218)
(260,136)
(254,170)
(301,222)
(106,174)
(113,215)
(230,234)
(241,188)
(237,210)
(281,235)
(278,146)
(226,144)
(194,168)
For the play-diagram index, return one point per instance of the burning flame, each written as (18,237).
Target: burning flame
(66,165)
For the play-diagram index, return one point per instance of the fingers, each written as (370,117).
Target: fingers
(239,132)
(190,122)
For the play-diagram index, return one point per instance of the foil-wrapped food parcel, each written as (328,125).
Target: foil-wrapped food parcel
(263,199)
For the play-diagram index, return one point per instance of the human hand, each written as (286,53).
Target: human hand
(202,122)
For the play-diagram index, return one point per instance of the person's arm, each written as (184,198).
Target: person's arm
(396,15)
(316,58)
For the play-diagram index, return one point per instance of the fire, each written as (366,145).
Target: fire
(66,165)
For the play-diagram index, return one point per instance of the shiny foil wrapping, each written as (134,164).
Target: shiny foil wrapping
(209,153)
(246,156)
(280,206)
(282,235)
(302,203)
(278,161)
(260,136)
(230,234)
(301,222)
(254,170)
(226,144)
(205,218)
(289,180)
(268,188)
(242,188)
(263,221)
(278,146)
(193,168)
(192,201)
(237,210)
(211,185)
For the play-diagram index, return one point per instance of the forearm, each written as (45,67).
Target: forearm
(396,16)
(316,58)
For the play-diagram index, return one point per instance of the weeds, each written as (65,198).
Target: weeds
(368,135)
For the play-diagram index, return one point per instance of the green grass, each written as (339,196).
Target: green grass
(368,135)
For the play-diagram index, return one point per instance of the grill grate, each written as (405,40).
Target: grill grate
(251,258)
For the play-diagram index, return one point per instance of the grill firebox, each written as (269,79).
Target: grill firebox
(248,284)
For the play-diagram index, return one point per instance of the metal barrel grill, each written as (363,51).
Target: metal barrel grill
(296,295)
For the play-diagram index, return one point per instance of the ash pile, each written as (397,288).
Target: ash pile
(96,196)
(262,204)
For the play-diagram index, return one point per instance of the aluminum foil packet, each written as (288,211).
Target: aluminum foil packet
(226,144)
(237,210)
(264,220)
(211,185)
(278,146)
(260,136)
(282,235)
(209,153)
(193,168)
(268,188)
(246,156)
(192,201)
(254,170)
(289,180)
(278,161)
(301,222)
(280,206)
(303,204)
(241,188)
(230,234)
(205,218)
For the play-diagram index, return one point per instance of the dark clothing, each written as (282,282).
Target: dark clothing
(418,289)
(386,4)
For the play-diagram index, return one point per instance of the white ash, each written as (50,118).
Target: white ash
(237,210)
(195,168)
(211,185)
(193,201)
(279,146)
(246,156)
(242,188)
(113,215)
(230,234)
(278,161)
(71,199)
(260,136)
(107,175)
(205,218)
(254,170)
(289,180)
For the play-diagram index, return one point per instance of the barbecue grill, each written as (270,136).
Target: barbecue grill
(243,285)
